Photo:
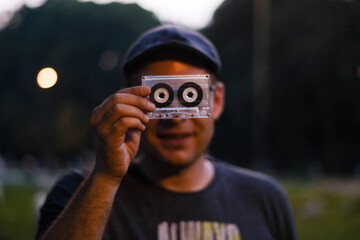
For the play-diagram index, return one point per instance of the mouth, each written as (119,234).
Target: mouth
(174,136)
(171,139)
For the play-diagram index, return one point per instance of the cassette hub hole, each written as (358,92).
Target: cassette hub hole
(162,95)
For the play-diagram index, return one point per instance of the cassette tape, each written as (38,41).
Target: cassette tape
(179,96)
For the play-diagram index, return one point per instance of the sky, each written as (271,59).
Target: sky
(191,13)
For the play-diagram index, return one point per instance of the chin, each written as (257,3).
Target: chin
(175,162)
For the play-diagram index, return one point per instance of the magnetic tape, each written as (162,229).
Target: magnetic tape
(179,96)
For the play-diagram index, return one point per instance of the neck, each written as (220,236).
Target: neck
(192,178)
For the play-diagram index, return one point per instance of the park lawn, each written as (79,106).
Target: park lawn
(324,210)
(17,214)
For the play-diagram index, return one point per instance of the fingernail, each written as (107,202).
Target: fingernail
(151,105)
(146,118)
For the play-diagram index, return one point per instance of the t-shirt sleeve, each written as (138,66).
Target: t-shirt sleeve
(272,198)
(279,212)
(57,199)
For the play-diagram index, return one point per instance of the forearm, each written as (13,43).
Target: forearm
(86,215)
(117,124)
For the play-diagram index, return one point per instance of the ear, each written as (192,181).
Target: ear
(218,101)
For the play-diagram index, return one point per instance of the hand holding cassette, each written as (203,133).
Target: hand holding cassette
(179,96)
(117,125)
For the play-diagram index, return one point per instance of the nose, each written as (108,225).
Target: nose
(177,120)
(172,121)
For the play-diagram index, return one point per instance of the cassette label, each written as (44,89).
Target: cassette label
(179,96)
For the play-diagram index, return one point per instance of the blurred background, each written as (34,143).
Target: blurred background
(291,69)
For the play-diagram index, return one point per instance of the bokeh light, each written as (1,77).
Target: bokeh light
(47,77)
(108,60)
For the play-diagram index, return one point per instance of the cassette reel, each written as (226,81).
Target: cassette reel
(179,96)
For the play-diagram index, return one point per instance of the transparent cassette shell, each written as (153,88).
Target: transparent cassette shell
(179,96)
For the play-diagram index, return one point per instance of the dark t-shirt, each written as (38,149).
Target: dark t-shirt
(238,204)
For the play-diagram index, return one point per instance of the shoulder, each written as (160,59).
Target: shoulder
(58,197)
(248,181)
(68,183)
(72,179)
(258,191)
(66,186)
(255,188)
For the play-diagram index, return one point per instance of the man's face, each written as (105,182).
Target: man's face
(179,142)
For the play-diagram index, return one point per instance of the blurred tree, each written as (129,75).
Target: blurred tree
(316,105)
(314,100)
(231,31)
(84,43)
(314,76)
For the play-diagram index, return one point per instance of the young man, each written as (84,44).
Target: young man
(175,190)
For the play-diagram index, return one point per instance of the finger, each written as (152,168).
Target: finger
(142,91)
(124,124)
(121,110)
(132,135)
(123,98)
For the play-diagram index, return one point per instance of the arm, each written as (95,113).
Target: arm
(117,124)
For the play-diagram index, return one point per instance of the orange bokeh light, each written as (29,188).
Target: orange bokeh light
(47,77)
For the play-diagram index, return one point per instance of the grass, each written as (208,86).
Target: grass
(325,209)
(17,215)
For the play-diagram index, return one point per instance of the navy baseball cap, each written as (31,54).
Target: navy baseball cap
(175,41)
